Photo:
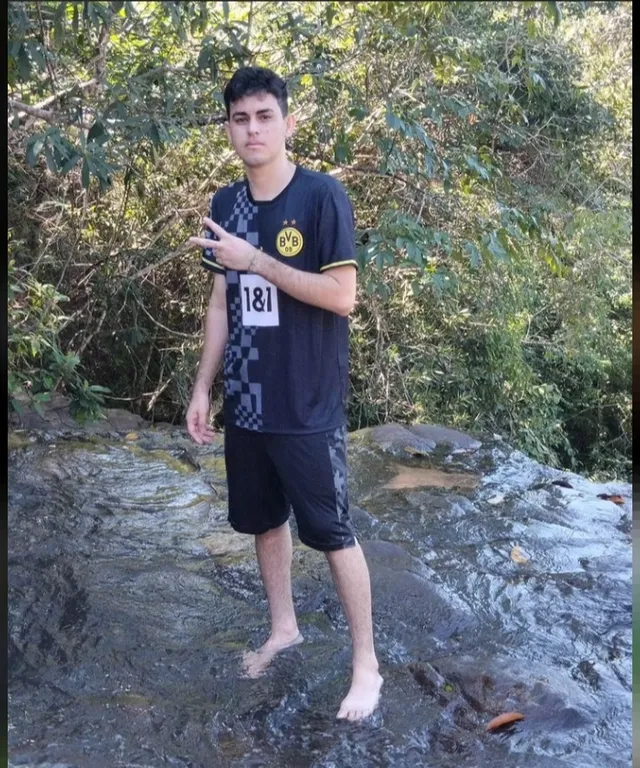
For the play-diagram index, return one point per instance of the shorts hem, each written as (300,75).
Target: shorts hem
(348,544)
(251,530)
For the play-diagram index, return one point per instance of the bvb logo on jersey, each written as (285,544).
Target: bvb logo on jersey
(289,241)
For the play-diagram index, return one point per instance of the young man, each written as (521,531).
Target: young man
(281,243)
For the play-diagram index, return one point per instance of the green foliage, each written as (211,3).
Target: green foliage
(36,364)
(486,148)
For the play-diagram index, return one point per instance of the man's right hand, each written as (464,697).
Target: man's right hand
(197,416)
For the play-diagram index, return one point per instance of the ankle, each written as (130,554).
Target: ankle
(365,662)
(285,631)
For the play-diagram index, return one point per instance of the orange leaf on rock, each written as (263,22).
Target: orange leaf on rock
(616,499)
(518,556)
(423,477)
(504,719)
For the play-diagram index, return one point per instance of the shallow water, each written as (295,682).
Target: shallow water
(130,603)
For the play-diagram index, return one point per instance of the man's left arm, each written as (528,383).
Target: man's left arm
(334,289)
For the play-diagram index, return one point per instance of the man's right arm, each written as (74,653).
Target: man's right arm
(216,334)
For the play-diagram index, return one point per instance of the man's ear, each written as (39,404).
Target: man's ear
(291,125)
(228,131)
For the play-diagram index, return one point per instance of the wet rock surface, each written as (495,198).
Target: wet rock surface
(419,439)
(131,600)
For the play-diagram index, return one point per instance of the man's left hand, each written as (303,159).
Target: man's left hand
(230,251)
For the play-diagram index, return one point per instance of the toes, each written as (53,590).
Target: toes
(356,715)
(355,712)
(351,714)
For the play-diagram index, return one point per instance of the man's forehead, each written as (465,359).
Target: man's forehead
(254,103)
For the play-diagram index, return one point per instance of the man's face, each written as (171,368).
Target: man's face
(257,130)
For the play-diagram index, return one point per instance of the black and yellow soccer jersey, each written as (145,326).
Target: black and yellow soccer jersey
(286,362)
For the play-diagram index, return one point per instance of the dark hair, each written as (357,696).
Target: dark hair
(249,80)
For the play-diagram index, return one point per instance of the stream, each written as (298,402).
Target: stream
(499,585)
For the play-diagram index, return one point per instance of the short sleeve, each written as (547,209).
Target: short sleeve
(208,260)
(336,238)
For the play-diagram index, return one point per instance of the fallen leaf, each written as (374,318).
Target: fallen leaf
(505,719)
(422,477)
(131,436)
(496,499)
(619,500)
(518,556)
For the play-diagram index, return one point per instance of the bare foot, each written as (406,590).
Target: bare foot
(254,663)
(363,695)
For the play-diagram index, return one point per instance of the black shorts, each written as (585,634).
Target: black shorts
(268,474)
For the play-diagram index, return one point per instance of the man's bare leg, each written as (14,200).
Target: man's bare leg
(351,577)
(275,551)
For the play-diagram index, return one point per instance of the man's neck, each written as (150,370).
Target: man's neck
(267,181)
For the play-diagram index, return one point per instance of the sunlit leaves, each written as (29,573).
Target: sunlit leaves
(475,259)
(485,158)
(552,9)
(477,167)
(494,246)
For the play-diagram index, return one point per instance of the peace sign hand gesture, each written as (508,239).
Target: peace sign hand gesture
(230,251)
